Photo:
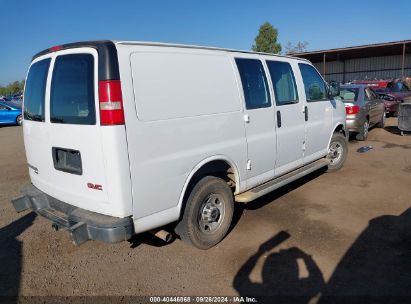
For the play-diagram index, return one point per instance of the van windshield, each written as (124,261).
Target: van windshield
(72,90)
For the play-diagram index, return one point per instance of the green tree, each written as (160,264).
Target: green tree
(266,40)
(15,87)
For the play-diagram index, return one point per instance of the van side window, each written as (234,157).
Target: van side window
(254,83)
(282,77)
(315,87)
(72,90)
(35,90)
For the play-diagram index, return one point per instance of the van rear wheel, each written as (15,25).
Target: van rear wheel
(208,213)
(337,152)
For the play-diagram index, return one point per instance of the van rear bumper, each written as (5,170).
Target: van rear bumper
(83,225)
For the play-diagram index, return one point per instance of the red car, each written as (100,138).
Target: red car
(393,92)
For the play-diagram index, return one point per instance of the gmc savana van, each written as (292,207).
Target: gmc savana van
(127,137)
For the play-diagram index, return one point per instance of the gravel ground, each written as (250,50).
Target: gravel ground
(345,233)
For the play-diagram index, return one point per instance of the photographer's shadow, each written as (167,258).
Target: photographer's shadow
(11,257)
(290,274)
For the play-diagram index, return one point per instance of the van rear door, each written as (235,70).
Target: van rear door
(70,155)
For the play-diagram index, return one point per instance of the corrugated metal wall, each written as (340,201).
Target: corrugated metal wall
(365,68)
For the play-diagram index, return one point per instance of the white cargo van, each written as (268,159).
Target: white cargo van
(126,137)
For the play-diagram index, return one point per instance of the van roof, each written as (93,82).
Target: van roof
(148,43)
(104,46)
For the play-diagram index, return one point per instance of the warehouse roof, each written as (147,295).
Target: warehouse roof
(361,51)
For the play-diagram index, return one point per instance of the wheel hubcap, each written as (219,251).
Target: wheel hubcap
(211,213)
(335,152)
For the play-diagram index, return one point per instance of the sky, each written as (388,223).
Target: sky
(30,26)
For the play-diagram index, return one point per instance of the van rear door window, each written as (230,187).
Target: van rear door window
(72,98)
(34,92)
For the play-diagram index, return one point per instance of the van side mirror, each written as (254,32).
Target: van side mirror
(333,89)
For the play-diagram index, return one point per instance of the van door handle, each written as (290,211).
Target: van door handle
(306,113)
(279,119)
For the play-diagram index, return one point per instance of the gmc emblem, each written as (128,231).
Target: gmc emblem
(95,186)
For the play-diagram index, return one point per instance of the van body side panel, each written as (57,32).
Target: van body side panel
(183,107)
(260,126)
(291,133)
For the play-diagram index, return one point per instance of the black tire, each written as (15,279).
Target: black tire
(19,120)
(363,134)
(202,209)
(337,152)
(381,123)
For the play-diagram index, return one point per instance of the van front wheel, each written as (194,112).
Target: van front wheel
(208,213)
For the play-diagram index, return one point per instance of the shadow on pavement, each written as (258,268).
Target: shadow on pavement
(11,255)
(272,196)
(393,130)
(283,280)
(377,267)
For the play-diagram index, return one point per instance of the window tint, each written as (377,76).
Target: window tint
(3,108)
(349,94)
(315,88)
(254,82)
(282,77)
(72,90)
(35,90)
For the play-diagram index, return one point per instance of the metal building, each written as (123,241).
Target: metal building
(372,61)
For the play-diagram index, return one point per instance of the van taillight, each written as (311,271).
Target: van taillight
(111,103)
(352,109)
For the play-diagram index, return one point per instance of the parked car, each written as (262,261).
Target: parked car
(364,109)
(395,93)
(18,101)
(10,114)
(376,83)
(126,137)
(391,103)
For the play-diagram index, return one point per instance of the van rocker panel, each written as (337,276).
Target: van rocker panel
(82,224)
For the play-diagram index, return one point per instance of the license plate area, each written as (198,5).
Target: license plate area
(67,160)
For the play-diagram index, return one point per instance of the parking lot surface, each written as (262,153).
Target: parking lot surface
(328,234)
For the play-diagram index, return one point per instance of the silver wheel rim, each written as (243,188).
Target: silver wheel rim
(211,213)
(20,120)
(365,132)
(335,152)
